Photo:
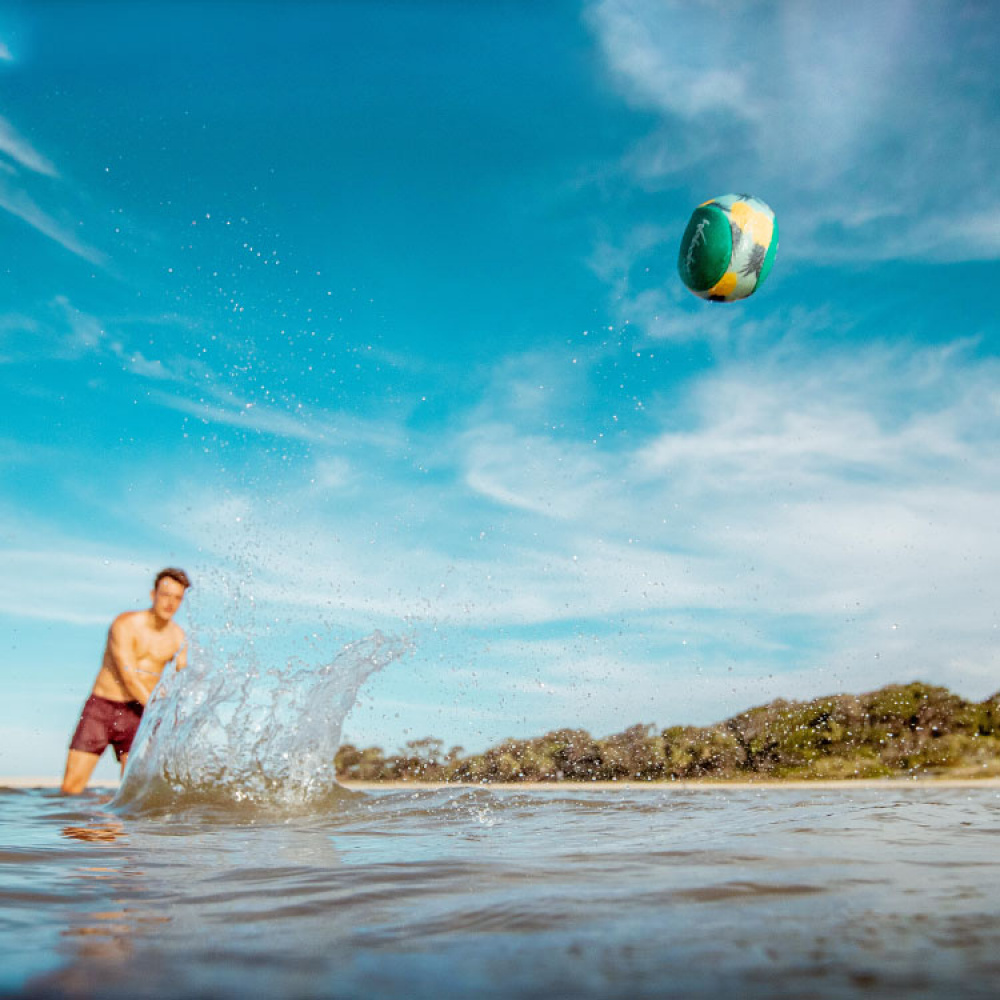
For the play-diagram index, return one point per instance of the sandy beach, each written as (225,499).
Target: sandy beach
(609,786)
(601,786)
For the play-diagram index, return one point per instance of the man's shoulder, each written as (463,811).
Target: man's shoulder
(127,621)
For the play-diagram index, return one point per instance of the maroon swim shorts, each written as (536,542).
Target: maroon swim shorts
(104,721)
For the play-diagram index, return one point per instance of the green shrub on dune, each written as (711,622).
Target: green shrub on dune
(899,730)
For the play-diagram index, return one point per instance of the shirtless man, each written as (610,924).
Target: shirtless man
(140,645)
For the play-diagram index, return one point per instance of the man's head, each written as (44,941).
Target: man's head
(174,574)
(168,592)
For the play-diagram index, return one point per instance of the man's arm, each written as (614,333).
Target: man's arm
(182,654)
(121,651)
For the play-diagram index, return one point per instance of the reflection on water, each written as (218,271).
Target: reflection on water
(96,833)
(99,942)
(500,893)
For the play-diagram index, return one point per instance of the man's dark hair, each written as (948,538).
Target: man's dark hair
(174,574)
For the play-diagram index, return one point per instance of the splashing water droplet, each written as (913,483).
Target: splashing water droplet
(250,738)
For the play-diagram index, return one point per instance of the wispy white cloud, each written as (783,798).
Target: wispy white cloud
(17,154)
(221,406)
(84,333)
(15,147)
(532,473)
(60,331)
(20,204)
(62,582)
(245,415)
(337,473)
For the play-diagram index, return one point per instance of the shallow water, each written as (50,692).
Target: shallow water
(660,892)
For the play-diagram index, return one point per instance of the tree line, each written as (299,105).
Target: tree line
(912,729)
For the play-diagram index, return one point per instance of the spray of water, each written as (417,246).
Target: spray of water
(230,737)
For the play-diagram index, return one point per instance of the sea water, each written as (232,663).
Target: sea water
(233,872)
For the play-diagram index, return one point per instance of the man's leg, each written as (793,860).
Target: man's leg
(79,767)
(127,725)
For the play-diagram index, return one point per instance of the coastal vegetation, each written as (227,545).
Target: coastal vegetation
(901,730)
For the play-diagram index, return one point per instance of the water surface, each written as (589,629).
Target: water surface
(659,892)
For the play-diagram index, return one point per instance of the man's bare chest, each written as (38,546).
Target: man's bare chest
(154,650)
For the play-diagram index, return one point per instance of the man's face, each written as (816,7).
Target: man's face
(167,598)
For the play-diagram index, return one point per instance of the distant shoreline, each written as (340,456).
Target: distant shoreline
(702,784)
(602,786)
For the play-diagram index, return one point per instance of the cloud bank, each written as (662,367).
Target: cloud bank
(810,520)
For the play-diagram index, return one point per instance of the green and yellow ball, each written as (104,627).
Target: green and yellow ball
(728,247)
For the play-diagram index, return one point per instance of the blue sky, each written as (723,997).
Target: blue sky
(367,315)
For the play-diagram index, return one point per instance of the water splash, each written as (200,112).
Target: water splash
(240,739)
